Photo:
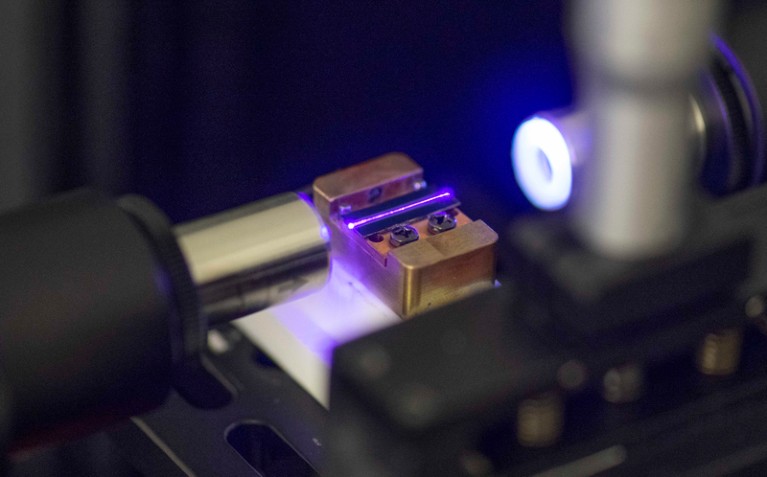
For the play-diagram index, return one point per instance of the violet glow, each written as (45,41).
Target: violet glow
(399,210)
(755,116)
(313,321)
(542,164)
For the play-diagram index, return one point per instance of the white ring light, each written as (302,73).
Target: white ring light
(542,164)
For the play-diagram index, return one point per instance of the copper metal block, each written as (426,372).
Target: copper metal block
(394,173)
(413,278)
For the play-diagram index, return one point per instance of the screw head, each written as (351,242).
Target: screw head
(402,234)
(374,194)
(441,222)
(418,185)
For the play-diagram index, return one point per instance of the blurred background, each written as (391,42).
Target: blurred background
(209,104)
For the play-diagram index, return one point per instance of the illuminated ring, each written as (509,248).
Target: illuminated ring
(542,164)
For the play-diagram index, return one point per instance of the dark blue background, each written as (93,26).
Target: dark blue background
(236,100)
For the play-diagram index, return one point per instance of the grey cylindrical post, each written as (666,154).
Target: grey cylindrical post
(637,63)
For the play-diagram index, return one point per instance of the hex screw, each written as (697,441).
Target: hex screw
(441,222)
(402,234)
(719,352)
(623,384)
(540,420)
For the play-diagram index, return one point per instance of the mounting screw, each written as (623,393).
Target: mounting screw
(623,384)
(418,185)
(540,419)
(441,222)
(374,194)
(403,234)
(719,352)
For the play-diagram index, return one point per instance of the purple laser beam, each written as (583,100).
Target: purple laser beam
(398,210)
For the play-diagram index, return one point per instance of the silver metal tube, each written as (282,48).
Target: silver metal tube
(637,63)
(255,256)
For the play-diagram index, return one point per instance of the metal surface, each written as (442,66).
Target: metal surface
(409,277)
(249,258)
(180,439)
(540,419)
(441,222)
(442,268)
(525,344)
(402,234)
(350,189)
(637,62)
(719,352)
(471,396)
